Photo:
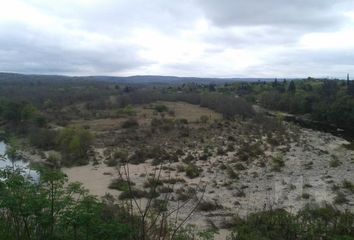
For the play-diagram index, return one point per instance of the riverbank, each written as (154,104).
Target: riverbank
(306,122)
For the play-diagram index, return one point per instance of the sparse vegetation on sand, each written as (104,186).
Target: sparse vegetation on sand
(172,155)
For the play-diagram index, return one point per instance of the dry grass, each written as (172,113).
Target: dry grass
(145,113)
(96,125)
(181,110)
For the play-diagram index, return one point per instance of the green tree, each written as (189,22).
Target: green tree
(74,144)
(292,87)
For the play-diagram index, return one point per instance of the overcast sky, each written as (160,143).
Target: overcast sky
(203,38)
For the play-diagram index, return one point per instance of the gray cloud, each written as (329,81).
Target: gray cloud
(303,14)
(186,37)
(31,51)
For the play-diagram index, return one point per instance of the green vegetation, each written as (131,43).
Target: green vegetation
(100,121)
(310,223)
(161,108)
(192,171)
(130,123)
(334,162)
(277,162)
(340,198)
(232,174)
(53,209)
(348,185)
(74,144)
(327,101)
(121,185)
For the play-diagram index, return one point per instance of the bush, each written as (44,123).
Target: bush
(228,106)
(160,205)
(137,193)
(348,185)
(120,184)
(139,156)
(130,123)
(74,144)
(232,174)
(184,194)
(126,111)
(334,162)
(340,198)
(192,171)
(188,159)
(120,156)
(43,138)
(310,223)
(152,183)
(112,162)
(204,119)
(277,162)
(207,206)
(163,124)
(161,108)
(305,195)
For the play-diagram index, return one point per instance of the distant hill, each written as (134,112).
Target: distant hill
(143,79)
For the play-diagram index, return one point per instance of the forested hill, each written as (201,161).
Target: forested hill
(322,100)
(131,79)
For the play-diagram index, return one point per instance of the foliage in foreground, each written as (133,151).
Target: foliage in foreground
(55,209)
(312,223)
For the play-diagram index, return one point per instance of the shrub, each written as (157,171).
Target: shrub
(309,223)
(185,194)
(240,166)
(43,138)
(277,162)
(173,180)
(160,205)
(165,189)
(111,162)
(207,206)
(120,184)
(334,162)
(204,119)
(192,171)
(120,156)
(130,123)
(163,124)
(126,111)
(188,159)
(139,156)
(152,182)
(305,196)
(348,185)
(137,193)
(340,198)
(74,144)
(231,173)
(161,108)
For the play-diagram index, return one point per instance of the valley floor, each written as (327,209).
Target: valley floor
(316,167)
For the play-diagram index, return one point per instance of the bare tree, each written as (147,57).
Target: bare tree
(155,222)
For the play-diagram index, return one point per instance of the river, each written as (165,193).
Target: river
(18,163)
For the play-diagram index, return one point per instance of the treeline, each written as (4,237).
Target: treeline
(329,101)
(227,105)
(54,97)
(55,94)
(23,120)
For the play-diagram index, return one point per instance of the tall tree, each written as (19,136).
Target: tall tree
(292,87)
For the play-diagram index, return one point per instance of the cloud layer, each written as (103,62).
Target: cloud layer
(212,38)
